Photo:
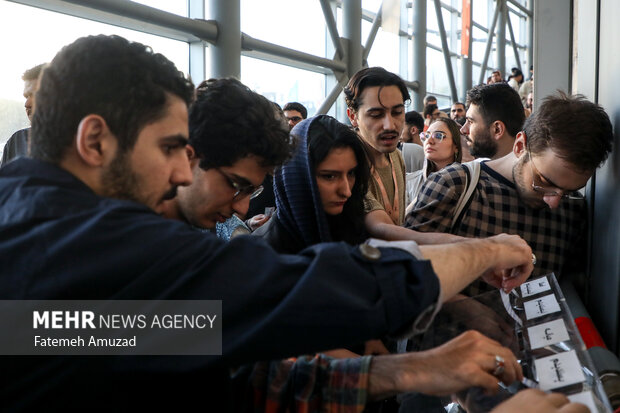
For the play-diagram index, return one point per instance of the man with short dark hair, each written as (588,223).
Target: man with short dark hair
(294,112)
(17,144)
(457,111)
(532,191)
(429,100)
(244,152)
(431,113)
(414,124)
(496,77)
(83,218)
(411,145)
(494,117)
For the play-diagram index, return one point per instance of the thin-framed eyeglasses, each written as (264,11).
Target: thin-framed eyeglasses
(547,191)
(437,135)
(242,190)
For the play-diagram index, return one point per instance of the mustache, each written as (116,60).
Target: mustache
(388,134)
(171,193)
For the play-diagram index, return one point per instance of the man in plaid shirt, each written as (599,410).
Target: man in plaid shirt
(532,190)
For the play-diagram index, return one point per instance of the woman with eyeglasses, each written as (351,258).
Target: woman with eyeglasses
(442,147)
(319,192)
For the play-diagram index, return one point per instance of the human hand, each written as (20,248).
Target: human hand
(465,361)
(539,402)
(257,221)
(511,262)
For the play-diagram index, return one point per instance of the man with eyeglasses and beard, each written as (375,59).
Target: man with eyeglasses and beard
(531,191)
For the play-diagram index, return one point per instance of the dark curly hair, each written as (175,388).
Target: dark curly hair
(370,77)
(123,82)
(229,122)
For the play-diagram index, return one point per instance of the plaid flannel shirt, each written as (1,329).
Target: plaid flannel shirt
(553,234)
(310,384)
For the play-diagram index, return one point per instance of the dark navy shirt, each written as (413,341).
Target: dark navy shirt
(59,240)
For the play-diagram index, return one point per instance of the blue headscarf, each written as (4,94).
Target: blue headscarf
(299,205)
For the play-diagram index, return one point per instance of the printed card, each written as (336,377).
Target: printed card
(541,306)
(559,370)
(535,286)
(547,334)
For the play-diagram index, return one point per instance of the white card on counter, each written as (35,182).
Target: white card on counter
(559,370)
(541,306)
(547,334)
(535,286)
(586,398)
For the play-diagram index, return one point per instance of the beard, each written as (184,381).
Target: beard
(121,182)
(529,199)
(484,146)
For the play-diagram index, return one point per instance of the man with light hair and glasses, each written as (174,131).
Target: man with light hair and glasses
(533,190)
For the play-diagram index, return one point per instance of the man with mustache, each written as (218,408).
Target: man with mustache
(376,108)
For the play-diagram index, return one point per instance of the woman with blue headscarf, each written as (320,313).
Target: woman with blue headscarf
(319,192)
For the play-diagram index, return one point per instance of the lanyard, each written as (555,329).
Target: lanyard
(392,210)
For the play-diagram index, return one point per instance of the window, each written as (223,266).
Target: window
(53,31)
(289,85)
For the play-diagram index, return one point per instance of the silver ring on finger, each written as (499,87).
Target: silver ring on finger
(500,365)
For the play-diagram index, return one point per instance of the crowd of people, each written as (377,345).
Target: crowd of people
(134,186)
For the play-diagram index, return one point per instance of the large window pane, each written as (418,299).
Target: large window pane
(480,12)
(436,75)
(284,84)
(479,43)
(22,49)
(298,25)
(371,5)
(385,52)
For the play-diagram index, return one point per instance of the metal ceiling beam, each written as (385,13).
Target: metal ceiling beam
(514,45)
(487,51)
(330,99)
(131,15)
(332,27)
(446,51)
(373,33)
(250,43)
(527,12)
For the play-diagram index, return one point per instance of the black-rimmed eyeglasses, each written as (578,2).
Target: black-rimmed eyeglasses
(242,190)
